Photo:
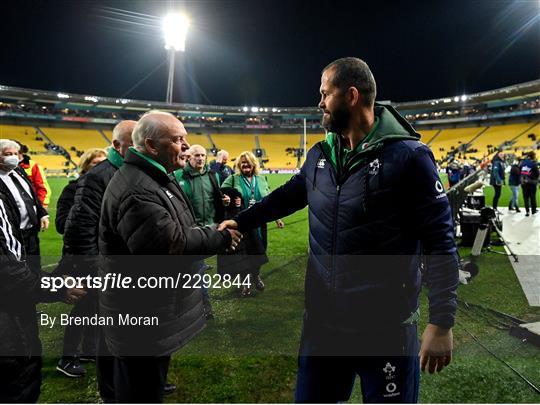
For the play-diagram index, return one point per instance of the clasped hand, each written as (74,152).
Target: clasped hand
(232,227)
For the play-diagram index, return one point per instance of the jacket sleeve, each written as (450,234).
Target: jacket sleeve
(82,224)
(283,201)
(145,225)
(16,278)
(431,218)
(227,182)
(41,185)
(63,206)
(535,172)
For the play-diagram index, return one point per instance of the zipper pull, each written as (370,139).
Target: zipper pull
(338,187)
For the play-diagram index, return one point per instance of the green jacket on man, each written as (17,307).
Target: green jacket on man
(202,190)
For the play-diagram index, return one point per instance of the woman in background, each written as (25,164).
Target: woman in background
(251,187)
(89,159)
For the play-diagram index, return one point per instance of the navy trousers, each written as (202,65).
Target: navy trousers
(386,361)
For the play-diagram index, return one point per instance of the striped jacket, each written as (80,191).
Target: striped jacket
(20,288)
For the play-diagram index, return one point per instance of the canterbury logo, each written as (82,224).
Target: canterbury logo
(169,194)
(321,163)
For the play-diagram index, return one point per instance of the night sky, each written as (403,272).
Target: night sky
(269,53)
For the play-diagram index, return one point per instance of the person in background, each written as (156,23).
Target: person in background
(454,173)
(81,243)
(220,165)
(33,217)
(497,177)
(253,188)
(36,175)
(20,291)
(89,159)
(76,335)
(514,181)
(529,180)
(201,186)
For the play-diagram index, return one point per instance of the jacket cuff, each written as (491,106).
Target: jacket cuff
(443,321)
(241,223)
(227,236)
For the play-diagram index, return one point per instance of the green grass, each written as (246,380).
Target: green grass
(248,353)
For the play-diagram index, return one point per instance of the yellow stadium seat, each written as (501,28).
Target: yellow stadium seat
(81,139)
(25,135)
(232,143)
(494,137)
(447,139)
(275,146)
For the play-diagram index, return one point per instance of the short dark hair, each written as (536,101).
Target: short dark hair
(354,72)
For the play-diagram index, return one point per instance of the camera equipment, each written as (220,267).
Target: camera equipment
(474,221)
(488,222)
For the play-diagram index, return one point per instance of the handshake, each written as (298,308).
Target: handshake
(232,227)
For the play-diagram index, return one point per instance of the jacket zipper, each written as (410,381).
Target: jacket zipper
(334,226)
(334,238)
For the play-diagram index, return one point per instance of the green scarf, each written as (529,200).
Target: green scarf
(115,158)
(148,159)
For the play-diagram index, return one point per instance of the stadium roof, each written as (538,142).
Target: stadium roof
(518,91)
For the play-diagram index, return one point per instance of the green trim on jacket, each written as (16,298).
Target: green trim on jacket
(388,126)
(148,159)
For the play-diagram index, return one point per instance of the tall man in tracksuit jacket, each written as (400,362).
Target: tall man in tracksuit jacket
(20,291)
(375,203)
(147,228)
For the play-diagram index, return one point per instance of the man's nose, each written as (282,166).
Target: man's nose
(321,105)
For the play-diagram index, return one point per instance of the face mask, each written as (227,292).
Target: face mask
(11,162)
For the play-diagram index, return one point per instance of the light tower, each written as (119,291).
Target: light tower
(175,27)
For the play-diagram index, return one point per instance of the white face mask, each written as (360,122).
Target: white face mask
(11,162)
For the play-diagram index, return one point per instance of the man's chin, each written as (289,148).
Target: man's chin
(326,124)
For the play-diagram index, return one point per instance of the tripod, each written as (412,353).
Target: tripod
(487,222)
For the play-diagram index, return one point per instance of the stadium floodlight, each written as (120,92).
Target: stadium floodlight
(62,95)
(456,99)
(254,109)
(464,98)
(175,28)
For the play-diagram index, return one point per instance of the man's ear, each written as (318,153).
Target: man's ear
(116,144)
(353,96)
(150,146)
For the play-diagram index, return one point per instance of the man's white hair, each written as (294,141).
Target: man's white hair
(220,154)
(8,143)
(193,147)
(147,129)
